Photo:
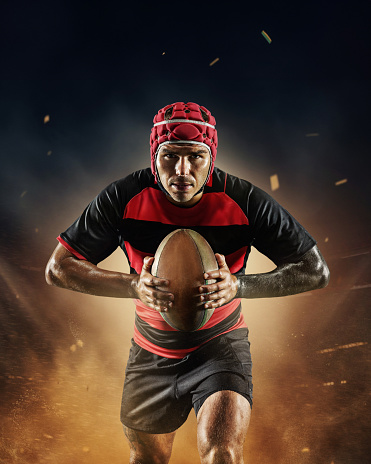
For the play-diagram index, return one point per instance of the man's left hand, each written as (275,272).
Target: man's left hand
(224,290)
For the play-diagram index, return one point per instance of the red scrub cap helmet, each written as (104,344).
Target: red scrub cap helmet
(184,123)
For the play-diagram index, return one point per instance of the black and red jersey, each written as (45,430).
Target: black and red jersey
(232,215)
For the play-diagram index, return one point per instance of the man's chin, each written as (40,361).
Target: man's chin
(181,198)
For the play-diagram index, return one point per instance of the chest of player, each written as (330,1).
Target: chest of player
(149,217)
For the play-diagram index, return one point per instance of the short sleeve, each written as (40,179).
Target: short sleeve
(95,234)
(276,233)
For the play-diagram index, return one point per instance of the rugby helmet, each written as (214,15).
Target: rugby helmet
(184,123)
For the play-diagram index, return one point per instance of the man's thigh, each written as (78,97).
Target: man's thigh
(231,369)
(150,400)
(222,424)
(149,448)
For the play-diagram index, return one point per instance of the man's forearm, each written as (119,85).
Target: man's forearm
(288,279)
(85,277)
(280,282)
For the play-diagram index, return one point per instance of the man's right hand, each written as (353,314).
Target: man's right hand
(146,288)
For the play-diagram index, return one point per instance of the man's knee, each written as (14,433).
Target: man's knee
(220,454)
(218,446)
(222,425)
(149,448)
(148,457)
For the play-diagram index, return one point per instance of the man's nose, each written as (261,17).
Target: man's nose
(182,167)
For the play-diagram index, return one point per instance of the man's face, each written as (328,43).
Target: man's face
(183,170)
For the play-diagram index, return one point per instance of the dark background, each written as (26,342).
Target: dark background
(298,107)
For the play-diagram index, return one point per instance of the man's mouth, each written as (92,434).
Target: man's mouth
(182,186)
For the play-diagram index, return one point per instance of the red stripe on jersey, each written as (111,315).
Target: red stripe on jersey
(151,317)
(177,354)
(70,249)
(135,257)
(235,260)
(214,209)
(155,320)
(221,313)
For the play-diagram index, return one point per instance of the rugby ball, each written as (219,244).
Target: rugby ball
(183,257)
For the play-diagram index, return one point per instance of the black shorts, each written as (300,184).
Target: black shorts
(160,392)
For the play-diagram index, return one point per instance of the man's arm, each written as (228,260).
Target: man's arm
(66,271)
(310,273)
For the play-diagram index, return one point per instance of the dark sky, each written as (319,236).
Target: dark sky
(101,70)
